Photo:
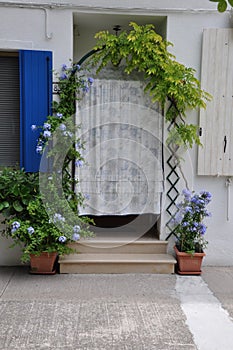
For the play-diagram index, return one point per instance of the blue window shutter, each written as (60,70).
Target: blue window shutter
(35,102)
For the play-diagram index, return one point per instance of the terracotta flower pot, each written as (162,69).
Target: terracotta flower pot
(43,263)
(189,264)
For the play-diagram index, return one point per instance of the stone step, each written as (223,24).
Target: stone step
(117,263)
(116,246)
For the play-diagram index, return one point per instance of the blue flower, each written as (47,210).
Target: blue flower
(178,218)
(87,196)
(47,126)
(85,88)
(62,127)
(188,209)
(39,149)
(206,196)
(47,133)
(90,80)
(62,239)
(63,76)
(68,133)
(187,194)
(78,66)
(202,229)
(33,127)
(15,226)
(79,163)
(185,224)
(64,66)
(58,217)
(195,200)
(76,237)
(40,142)
(59,115)
(30,230)
(76,228)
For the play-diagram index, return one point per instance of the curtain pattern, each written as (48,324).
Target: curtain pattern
(122,131)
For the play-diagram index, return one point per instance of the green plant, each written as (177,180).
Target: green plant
(32,224)
(41,210)
(222,4)
(169,82)
(43,232)
(189,226)
(72,85)
(17,190)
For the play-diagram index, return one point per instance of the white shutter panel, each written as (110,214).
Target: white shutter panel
(216,122)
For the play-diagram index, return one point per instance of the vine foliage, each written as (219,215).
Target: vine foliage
(168,82)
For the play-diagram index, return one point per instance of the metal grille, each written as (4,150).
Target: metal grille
(172,178)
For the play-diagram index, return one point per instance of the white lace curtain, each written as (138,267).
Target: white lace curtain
(122,132)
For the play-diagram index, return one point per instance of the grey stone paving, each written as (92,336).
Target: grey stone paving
(220,281)
(91,312)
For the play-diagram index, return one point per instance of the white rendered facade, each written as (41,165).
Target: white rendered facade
(67,29)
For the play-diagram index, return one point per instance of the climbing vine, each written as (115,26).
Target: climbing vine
(168,82)
(72,85)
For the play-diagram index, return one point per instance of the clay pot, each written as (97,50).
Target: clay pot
(43,263)
(189,264)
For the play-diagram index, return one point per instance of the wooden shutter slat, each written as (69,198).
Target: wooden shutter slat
(216,121)
(9,111)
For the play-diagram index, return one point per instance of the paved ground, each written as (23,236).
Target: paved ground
(111,312)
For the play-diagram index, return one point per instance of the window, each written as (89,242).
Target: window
(9,110)
(25,99)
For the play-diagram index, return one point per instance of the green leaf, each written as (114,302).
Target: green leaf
(15,190)
(230,2)
(6,204)
(17,206)
(25,200)
(222,6)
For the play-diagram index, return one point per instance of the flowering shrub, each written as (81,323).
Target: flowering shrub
(72,85)
(40,234)
(43,222)
(38,228)
(190,228)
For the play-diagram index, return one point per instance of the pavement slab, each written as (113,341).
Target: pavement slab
(116,312)
(93,325)
(208,321)
(6,274)
(24,286)
(91,312)
(220,281)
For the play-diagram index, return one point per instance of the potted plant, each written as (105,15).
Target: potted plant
(190,230)
(42,232)
(41,210)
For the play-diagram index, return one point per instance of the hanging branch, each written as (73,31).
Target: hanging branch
(143,50)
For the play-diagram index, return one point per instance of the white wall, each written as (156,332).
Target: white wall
(26,28)
(185,31)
